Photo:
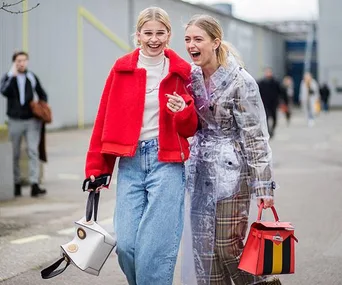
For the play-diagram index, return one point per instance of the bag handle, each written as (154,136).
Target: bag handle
(273,210)
(51,271)
(92,205)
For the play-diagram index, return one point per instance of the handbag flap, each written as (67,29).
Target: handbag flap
(275,233)
(94,226)
(274,224)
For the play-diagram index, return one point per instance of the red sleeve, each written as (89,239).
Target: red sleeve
(98,163)
(186,120)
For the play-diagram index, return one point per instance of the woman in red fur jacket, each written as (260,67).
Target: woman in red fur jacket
(145,117)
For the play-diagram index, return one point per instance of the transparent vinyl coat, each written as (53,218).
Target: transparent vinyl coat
(230,153)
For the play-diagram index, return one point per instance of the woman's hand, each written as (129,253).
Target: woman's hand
(268,202)
(175,103)
(98,189)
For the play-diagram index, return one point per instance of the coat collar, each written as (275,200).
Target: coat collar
(221,78)
(177,64)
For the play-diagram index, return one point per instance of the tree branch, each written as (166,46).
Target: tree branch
(5,7)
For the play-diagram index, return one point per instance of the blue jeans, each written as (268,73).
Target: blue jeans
(149,216)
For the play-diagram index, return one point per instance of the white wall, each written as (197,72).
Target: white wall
(74,79)
(330,47)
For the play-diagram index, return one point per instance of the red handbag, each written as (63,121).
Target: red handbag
(270,247)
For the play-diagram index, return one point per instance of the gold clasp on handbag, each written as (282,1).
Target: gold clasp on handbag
(72,248)
(279,238)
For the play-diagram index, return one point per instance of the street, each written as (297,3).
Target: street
(307,166)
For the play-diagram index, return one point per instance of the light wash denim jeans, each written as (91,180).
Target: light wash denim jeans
(149,216)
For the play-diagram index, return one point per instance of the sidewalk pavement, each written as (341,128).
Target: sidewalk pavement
(307,165)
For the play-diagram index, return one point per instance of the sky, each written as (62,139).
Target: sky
(269,10)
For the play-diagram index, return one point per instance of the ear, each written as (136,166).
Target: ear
(137,34)
(216,43)
(168,38)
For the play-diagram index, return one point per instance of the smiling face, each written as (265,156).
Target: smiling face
(200,46)
(153,38)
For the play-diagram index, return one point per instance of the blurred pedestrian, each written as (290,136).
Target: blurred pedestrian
(270,91)
(19,86)
(325,94)
(230,160)
(145,118)
(286,98)
(309,97)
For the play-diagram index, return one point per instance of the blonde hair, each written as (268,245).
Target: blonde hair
(213,28)
(307,78)
(152,14)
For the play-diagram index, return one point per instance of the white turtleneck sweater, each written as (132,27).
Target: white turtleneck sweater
(157,68)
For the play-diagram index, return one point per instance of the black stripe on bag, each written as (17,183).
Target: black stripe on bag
(286,256)
(268,257)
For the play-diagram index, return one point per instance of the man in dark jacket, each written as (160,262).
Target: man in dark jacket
(270,91)
(19,86)
(325,94)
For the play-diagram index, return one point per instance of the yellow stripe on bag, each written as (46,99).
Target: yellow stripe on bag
(277,266)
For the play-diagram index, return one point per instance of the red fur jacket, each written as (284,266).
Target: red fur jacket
(120,114)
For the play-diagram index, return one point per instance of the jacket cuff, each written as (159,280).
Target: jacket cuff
(98,164)
(183,115)
(263,188)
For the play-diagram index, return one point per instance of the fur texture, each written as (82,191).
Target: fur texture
(119,118)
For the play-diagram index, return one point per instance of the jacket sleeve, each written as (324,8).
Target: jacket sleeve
(186,120)
(5,85)
(98,163)
(40,91)
(250,117)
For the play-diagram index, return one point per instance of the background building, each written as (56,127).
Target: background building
(300,49)
(330,47)
(73,44)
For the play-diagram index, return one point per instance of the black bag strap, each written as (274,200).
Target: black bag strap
(92,205)
(51,271)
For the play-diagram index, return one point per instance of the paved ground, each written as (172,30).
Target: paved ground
(308,167)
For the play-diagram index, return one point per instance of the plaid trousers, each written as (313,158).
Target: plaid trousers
(231,227)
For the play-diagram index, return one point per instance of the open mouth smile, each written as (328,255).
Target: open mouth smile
(195,54)
(154,46)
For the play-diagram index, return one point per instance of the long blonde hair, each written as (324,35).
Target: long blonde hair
(307,79)
(152,14)
(213,28)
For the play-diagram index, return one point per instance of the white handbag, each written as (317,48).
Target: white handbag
(90,247)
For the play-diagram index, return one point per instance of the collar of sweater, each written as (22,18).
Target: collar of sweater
(149,60)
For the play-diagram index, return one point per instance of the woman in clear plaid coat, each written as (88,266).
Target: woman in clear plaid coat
(230,160)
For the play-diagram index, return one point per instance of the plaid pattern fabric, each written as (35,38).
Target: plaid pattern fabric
(231,227)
